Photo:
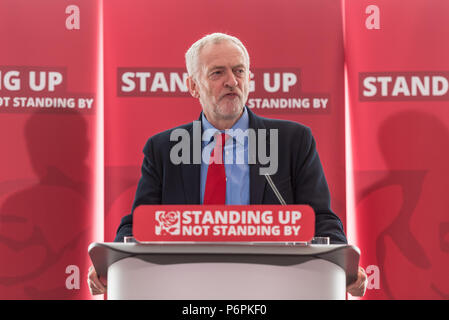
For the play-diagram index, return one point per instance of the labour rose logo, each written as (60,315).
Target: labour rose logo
(168,223)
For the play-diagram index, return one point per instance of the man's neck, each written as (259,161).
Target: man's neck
(224,124)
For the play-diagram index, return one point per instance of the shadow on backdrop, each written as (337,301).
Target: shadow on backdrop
(406,208)
(45,226)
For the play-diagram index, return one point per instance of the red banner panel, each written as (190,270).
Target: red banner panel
(262,223)
(297,74)
(48,125)
(398,68)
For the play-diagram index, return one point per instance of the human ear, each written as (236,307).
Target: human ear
(193,87)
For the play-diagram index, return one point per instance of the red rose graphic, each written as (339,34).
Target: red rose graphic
(169,222)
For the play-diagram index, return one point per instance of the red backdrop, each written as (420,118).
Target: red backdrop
(51,168)
(400,136)
(47,167)
(152,36)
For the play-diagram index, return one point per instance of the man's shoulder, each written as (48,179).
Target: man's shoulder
(162,139)
(285,125)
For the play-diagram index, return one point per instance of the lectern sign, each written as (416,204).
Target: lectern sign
(209,223)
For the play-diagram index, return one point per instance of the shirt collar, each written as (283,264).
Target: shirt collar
(209,130)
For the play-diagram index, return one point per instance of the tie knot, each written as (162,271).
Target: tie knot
(220,139)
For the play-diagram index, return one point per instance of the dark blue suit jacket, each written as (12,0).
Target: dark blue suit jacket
(300,177)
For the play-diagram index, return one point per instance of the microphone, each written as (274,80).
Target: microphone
(275,190)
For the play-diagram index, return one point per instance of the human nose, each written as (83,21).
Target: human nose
(231,80)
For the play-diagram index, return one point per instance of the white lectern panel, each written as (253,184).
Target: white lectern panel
(132,278)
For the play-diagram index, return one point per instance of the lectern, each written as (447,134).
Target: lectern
(225,271)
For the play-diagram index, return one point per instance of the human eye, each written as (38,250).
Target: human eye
(215,73)
(240,71)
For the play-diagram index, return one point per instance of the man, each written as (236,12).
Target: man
(218,68)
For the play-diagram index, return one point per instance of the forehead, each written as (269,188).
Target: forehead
(224,53)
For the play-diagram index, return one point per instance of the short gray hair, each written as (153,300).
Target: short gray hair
(192,55)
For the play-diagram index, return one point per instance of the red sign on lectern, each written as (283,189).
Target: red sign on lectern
(210,223)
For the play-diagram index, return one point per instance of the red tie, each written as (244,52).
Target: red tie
(215,192)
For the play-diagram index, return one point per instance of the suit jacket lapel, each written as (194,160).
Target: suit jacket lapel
(257,182)
(191,175)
